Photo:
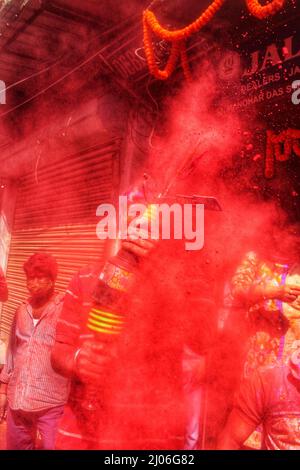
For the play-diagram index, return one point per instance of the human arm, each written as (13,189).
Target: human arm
(235,433)
(8,367)
(285,293)
(86,363)
(72,356)
(3,401)
(249,408)
(244,278)
(245,288)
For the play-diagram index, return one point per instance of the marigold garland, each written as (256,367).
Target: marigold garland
(171,64)
(178,37)
(263,11)
(186,32)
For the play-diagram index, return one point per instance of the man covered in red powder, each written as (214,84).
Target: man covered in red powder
(35,393)
(270,397)
(270,286)
(140,385)
(3,287)
(88,361)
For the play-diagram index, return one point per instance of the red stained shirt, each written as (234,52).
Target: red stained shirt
(272,397)
(71,325)
(33,385)
(72,330)
(123,407)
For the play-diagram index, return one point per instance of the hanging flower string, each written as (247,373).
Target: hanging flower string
(153,67)
(263,11)
(186,32)
(178,37)
(185,62)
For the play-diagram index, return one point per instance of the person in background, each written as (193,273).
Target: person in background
(267,283)
(197,349)
(32,391)
(269,286)
(3,287)
(269,397)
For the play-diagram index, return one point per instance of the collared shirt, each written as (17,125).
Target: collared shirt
(33,385)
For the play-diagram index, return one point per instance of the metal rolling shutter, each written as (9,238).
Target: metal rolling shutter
(56,213)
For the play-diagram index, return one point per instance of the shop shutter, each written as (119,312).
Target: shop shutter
(56,213)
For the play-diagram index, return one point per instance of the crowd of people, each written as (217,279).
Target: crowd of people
(74,378)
